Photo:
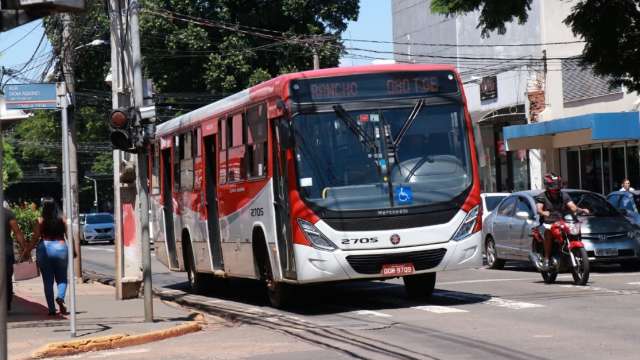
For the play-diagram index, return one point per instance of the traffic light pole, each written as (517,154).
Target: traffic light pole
(142,174)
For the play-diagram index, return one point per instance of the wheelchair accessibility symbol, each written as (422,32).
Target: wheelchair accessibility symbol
(403,195)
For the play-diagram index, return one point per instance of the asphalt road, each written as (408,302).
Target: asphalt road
(474,314)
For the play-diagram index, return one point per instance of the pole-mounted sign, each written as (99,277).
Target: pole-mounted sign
(30,96)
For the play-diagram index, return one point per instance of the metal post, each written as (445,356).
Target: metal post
(68,206)
(3,267)
(316,59)
(69,79)
(95,191)
(141,178)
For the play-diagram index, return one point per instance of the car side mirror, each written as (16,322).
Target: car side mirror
(523,215)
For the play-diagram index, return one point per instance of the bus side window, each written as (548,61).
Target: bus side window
(177,153)
(236,152)
(222,159)
(155,169)
(256,140)
(196,150)
(186,162)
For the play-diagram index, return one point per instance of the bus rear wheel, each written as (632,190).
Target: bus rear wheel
(420,287)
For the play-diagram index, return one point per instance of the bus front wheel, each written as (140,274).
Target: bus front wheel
(420,287)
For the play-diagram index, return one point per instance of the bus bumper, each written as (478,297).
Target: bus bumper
(315,265)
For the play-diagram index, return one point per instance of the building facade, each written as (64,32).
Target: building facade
(533,105)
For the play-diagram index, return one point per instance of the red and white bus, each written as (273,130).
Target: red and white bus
(326,175)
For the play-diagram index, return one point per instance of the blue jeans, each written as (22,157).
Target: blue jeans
(52,257)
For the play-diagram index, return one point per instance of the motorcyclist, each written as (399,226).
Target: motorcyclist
(552,205)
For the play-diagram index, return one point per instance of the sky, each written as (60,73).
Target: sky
(374,23)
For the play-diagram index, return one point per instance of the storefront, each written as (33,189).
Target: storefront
(601,168)
(593,152)
(502,170)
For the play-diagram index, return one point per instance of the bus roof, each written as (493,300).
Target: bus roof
(278,86)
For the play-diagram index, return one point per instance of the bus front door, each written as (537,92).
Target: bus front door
(281,145)
(167,209)
(212,201)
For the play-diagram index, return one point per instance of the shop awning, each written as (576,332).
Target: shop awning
(574,131)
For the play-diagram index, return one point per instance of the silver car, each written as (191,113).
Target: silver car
(607,235)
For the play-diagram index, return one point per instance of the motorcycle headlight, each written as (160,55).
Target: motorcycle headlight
(574,228)
(315,237)
(468,225)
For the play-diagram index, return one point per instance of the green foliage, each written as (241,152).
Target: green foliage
(11,171)
(42,127)
(103,164)
(493,13)
(26,216)
(610,30)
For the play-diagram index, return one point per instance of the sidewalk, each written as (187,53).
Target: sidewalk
(98,314)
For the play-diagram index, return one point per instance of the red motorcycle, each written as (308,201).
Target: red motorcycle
(568,252)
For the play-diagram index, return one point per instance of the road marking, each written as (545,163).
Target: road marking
(372,313)
(98,248)
(479,281)
(436,309)
(634,283)
(494,301)
(511,304)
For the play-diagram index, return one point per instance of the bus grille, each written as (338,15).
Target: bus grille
(372,264)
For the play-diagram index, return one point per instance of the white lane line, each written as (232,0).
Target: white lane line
(98,248)
(372,313)
(479,281)
(634,283)
(436,309)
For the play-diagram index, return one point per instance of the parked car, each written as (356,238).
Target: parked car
(607,235)
(490,201)
(628,203)
(98,227)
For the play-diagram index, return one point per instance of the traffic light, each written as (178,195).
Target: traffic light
(121,125)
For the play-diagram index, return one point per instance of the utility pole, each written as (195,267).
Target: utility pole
(69,80)
(64,100)
(3,268)
(127,87)
(141,178)
(316,58)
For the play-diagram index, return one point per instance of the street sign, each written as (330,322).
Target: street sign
(30,96)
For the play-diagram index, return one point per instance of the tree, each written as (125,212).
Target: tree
(11,171)
(610,29)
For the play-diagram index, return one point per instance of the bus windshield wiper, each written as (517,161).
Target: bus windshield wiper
(407,123)
(364,138)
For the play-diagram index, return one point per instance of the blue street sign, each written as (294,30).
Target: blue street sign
(403,195)
(30,96)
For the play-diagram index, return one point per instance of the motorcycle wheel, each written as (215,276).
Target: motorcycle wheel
(549,277)
(581,272)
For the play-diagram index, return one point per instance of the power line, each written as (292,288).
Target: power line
(21,38)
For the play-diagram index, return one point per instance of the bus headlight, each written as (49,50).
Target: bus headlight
(315,237)
(469,225)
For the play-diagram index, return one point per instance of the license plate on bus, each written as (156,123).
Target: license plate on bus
(606,252)
(397,269)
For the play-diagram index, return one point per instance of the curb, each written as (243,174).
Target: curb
(66,348)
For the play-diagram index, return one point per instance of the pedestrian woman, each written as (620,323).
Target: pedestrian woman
(52,253)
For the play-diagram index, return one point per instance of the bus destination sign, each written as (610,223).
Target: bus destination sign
(357,87)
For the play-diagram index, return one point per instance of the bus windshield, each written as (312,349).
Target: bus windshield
(404,154)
